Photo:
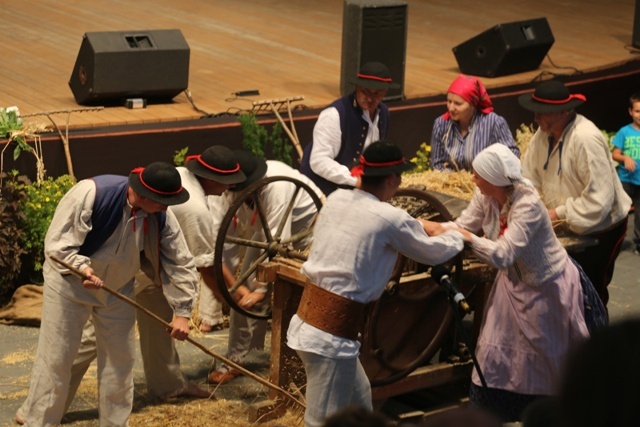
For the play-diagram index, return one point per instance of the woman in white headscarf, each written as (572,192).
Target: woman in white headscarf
(535,311)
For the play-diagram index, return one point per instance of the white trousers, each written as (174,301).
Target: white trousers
(333,384)
(60,335)
(209,308)
(160,358)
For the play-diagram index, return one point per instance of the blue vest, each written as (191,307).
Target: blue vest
(354,132)
(111,196)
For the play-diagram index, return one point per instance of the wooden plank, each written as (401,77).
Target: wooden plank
(424,377)
(281,48)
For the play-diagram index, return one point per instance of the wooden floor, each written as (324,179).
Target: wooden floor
(283,48)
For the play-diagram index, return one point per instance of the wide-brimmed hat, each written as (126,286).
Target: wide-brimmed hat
(159,182)
(381,158)
(374,75)
(216,163)
(252,166)
(551,96)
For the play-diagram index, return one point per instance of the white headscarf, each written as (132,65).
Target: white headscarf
(498,165)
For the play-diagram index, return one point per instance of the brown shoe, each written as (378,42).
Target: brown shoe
(223,376)
(192,390)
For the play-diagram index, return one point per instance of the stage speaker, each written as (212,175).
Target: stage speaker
(508,48)
(115,65)
(636,27)
(374,30)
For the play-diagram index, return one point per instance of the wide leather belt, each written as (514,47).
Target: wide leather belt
(331,312)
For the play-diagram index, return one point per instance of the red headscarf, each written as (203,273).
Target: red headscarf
(471,90)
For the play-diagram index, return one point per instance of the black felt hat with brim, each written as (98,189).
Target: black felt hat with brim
(382,158)
(216,163)
(551,97)
(159,182)
(252,166)
(374,75)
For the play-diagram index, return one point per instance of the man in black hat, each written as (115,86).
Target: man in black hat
(569,162)
(343,278)
(246,334)
(108,227)
(347,127)
(209,173)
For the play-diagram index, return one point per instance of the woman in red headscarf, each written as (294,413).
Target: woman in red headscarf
(468,126)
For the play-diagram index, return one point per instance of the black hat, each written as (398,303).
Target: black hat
(381,158)
(374,75)
(216,163)
(159,182)
(551,96)
(252,166)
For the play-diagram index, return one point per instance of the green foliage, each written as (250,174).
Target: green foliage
(39,207)
(609,137)
(12,196)
(422,159)
(258,140)
(11,128)
(179,156)
(279,147)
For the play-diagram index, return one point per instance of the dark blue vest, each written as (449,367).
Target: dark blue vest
(111,196)
(354,132)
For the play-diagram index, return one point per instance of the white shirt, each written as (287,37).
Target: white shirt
(327,140)
(117,261)
(196,220)
(356,243)
(581,183)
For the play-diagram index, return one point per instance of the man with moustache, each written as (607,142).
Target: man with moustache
(569,162)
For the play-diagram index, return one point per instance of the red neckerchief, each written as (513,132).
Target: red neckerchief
(503,225)
(145,226)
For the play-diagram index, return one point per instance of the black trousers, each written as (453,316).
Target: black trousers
(598,261)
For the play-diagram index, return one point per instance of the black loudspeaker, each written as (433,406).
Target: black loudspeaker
(374,30)
(508,48)
(635,41)
(115,65)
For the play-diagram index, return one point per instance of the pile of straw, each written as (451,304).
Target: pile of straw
(457,184)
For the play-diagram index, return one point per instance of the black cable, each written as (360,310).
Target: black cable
(545,73)
(458,319)
(187,92)
(575,70)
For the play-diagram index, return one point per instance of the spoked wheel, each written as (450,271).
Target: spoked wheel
(408,325)
(244,231)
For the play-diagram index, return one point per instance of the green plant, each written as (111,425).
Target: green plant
(11,128)
(12,196)
(39,207)
(179,156)
(609,137)
(258,140)
(422,159)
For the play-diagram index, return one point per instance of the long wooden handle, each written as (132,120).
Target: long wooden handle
(223,359)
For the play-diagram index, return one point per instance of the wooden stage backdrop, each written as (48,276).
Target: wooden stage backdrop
(283,48)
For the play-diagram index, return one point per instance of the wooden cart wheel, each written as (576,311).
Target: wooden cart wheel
(408,325)
(256,243)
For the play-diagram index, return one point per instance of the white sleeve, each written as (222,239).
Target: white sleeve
(179,274)
(327,140)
